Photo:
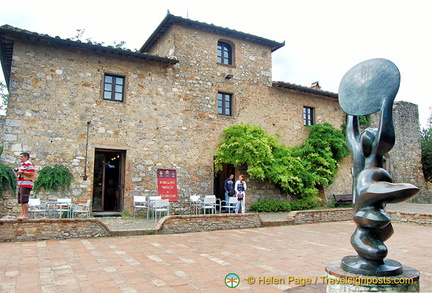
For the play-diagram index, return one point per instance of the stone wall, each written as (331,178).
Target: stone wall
(198,223)
(9,205)
(319,216)
(412,218)
(45,229)
(2,124)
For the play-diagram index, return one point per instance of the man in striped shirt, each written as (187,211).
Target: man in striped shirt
(25,185)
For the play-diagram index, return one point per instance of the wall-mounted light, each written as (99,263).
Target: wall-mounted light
(229,76)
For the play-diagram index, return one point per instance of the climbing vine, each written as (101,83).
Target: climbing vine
(298,171)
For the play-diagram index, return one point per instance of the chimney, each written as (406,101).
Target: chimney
(315,85)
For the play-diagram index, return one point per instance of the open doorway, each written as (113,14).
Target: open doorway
(108,180)
(219,180)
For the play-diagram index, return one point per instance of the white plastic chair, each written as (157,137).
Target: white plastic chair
(209,203)
(64,205)
(160,206)
(150,205)
(217,202)
(139,202)
(230,204)
(195,203)
(81,208)
(36,207)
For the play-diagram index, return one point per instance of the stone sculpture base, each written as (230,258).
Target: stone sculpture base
(340,281)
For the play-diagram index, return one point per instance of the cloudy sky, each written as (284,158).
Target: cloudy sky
(323,38)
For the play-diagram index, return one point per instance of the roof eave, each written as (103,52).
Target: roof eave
(291,86)
(14,34)
(171,19)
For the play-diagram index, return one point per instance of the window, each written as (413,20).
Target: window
(224,104)
(113,88)
(308,116)
(224,53)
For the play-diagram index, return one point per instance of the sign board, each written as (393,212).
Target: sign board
(167,184)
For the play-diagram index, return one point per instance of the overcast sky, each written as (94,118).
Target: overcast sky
(323,38)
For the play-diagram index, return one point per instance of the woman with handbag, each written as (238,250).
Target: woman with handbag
(240,188)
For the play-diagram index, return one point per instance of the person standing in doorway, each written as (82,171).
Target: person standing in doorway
(240,188)
(25,185)
(229,189)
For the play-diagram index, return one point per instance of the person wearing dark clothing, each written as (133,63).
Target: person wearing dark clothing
(229,189)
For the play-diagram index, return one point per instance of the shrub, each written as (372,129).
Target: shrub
(270,206)
(8,180)
(53,178)
(305,203)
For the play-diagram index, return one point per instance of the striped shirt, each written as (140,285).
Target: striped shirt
(28,167)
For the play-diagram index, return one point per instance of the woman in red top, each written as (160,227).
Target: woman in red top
(25,185)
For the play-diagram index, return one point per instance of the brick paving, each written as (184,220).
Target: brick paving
(198,262)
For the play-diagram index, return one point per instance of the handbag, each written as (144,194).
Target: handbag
(240,196)
(33,177)
(231,192)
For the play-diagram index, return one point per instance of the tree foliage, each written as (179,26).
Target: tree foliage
(79,37)
(3,97)
(426,148)
(297,171)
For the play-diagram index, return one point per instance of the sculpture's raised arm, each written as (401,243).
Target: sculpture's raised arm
(386,133)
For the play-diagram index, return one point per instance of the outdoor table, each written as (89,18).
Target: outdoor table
(53,207)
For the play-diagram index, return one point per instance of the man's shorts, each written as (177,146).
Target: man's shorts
(23,195)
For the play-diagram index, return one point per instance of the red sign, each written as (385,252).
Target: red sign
(167,184)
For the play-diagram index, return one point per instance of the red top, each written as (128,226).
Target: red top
(29,168)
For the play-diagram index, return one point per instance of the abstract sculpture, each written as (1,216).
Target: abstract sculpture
(367,88)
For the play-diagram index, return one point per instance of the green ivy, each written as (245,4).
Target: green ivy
(8,180)
(53,178)
(298,171)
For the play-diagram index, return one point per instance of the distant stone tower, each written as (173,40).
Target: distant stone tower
(404,160)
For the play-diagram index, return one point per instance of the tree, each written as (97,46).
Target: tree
(426,148)
(79,37)
(3,97)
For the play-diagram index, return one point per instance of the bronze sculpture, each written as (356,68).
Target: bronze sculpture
(367,88)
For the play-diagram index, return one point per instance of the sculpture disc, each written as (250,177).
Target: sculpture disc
(364,87)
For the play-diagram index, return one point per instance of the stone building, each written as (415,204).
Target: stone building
(115,117)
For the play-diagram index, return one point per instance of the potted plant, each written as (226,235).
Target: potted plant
(8,179)
(53,178)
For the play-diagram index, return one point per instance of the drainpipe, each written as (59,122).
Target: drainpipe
(86,151)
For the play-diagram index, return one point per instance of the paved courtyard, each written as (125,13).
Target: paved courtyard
(199,262)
